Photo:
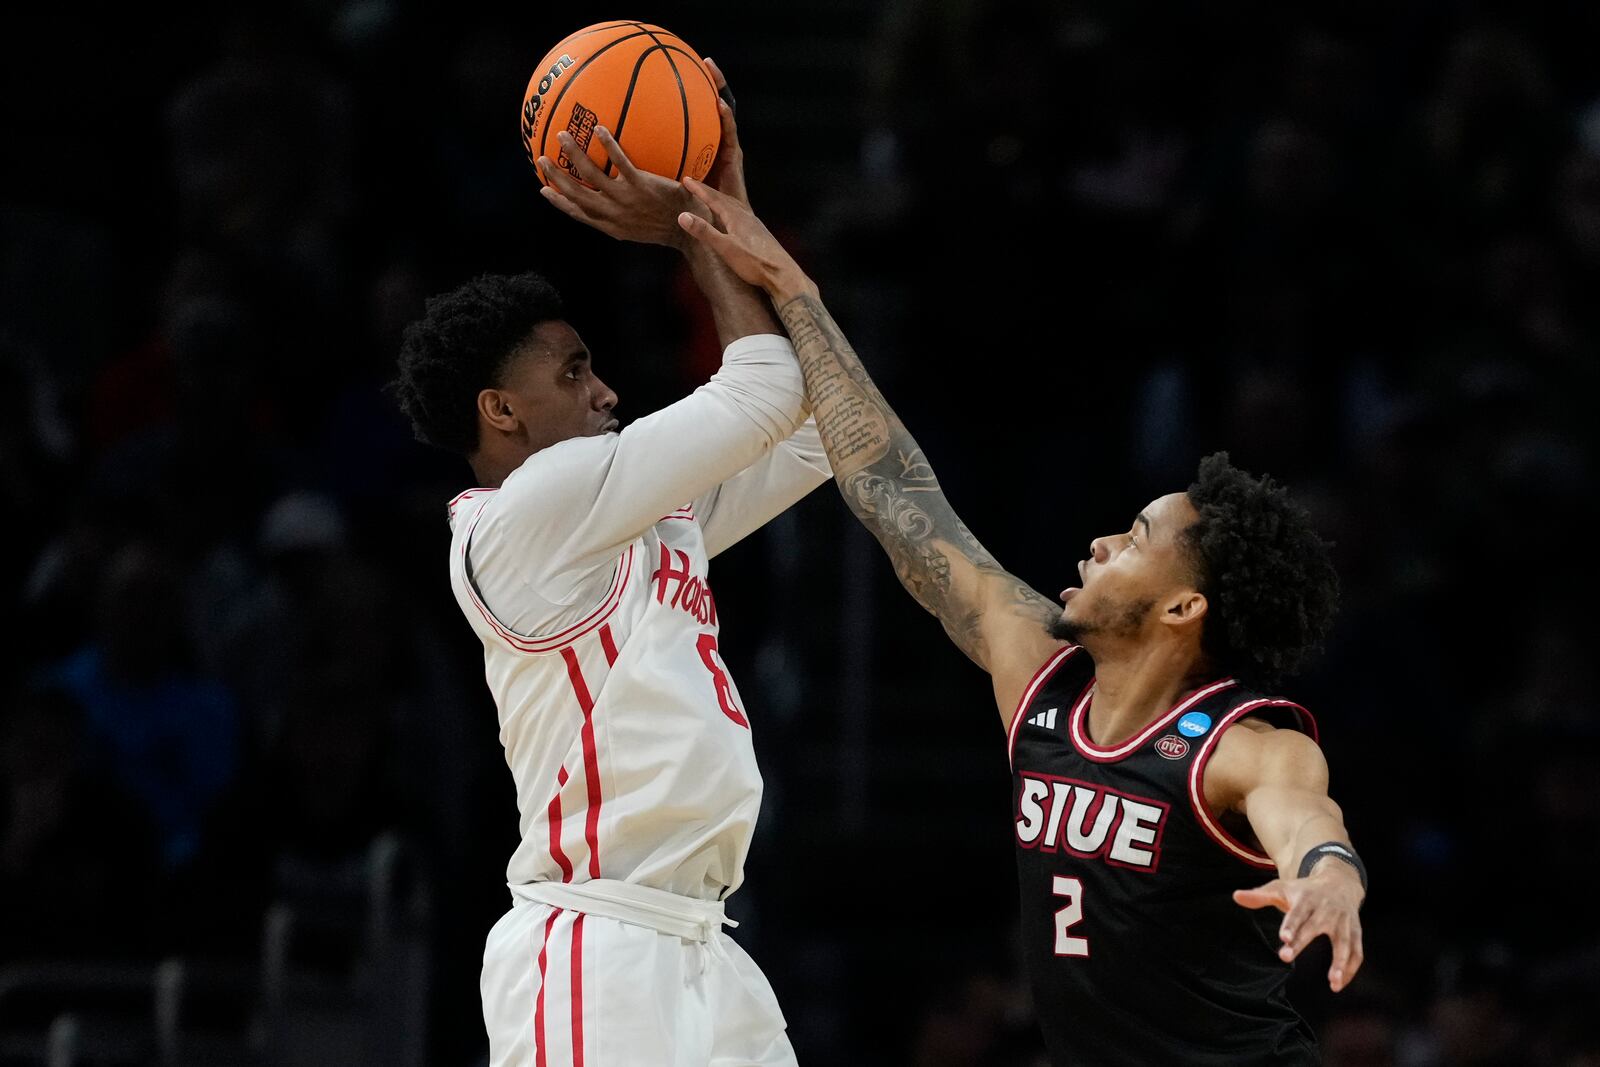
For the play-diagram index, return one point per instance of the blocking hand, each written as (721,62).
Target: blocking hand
(1313,906)
(741,240)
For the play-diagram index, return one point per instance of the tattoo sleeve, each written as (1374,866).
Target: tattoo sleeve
(887,482)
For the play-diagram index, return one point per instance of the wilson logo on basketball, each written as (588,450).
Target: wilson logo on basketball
(1172,747)
(534,100)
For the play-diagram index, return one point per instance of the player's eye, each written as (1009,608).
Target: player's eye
(576,373)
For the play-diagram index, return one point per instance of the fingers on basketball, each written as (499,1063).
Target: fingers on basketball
(565,183)
(717,77)
(615,154)
(586,169)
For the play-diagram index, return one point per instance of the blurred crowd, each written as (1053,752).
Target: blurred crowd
(1080,245)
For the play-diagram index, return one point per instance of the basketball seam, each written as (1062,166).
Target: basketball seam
(601,29)
(555,105)
(627,100)
(683,98)
(709,85)
(684,52)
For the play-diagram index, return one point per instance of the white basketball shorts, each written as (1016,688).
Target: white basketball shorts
(568,988)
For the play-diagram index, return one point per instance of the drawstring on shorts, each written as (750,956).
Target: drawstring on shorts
(696,921)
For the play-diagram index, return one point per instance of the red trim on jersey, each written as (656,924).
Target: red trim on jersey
(538,1009)
(553,817)
(1089,750)
(591,759)
(459,497)
(550,643)
(577,991)
(609,643)
(1197,799)
(1040,676)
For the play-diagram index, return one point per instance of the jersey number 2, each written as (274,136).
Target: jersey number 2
(708,655)
(1069,916)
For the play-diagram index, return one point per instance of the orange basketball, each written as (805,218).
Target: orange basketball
(638,81)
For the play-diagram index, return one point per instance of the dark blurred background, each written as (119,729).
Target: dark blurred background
(252,804)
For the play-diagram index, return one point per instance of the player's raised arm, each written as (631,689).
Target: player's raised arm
(635,205)
(882,472)
(1278,780)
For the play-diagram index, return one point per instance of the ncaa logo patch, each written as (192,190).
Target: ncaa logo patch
(1194,724)
(1172,747)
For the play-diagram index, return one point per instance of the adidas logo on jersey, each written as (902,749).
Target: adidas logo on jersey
(1046,719)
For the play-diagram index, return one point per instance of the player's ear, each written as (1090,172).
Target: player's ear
(494,408)
(1185,608)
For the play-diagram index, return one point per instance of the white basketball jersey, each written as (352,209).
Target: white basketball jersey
(629,743)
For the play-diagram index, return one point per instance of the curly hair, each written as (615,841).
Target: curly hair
(461,346)
(1266,574)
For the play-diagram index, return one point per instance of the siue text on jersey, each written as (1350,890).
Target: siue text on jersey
(1089,820)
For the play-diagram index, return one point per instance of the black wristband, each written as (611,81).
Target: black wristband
(1338,850)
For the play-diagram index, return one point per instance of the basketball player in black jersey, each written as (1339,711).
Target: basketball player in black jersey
(1156,792)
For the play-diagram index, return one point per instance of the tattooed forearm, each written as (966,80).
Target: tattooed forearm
(915,473)
(887,482)
(853,427)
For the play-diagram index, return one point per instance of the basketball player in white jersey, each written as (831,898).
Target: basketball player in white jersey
(581,563)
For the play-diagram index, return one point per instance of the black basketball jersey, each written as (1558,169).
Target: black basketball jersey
(1136,952)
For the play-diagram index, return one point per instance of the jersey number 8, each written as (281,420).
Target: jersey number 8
(709,656)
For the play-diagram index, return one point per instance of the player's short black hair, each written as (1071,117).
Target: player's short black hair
(460,347)
(1269,582)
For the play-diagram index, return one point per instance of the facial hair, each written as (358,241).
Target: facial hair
(1115,619)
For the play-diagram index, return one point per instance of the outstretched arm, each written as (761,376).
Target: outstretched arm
(1278,780)
(882,472)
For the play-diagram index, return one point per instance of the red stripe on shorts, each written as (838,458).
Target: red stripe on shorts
(577,992)
(538,1010)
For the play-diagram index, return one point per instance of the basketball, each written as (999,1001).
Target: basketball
(642,83)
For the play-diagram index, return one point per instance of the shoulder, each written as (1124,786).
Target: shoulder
(536,491)
(1064,666)
(1254,750)
(576,458)
(1253,738)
